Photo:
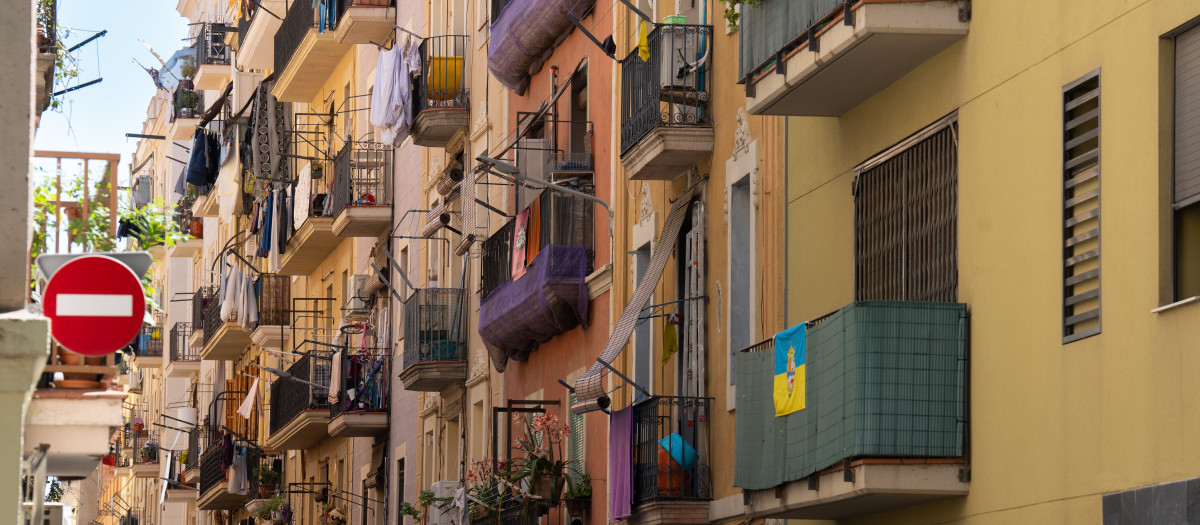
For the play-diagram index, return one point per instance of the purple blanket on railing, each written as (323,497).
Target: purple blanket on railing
(551,298)
(524,34)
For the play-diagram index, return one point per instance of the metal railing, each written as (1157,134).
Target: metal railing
(344,4)
(181,346)
(209,308)
(274,294)
(669,89)
(563,219)
(148,342)
(290,398)
(772,28)
(148,451)
(210,44)
(434,326)
(443,83)
(361,176)
(197,442)
(213,467)
(366,372)
(496,259)
(497,7)
(183,217)
(243,25)
(47,26)
(670,449)
(187,103)
(297,22)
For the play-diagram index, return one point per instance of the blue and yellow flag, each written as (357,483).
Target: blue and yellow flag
(789,370)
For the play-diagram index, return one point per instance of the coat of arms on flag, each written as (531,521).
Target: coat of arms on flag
(789,370)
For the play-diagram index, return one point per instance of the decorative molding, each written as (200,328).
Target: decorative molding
(482,123)
(429,404)
(646,206)
(726,205)
(741,135)
(599,281)
(478,371)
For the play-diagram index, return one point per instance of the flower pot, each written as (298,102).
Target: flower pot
(196,228)
(577,506)
(547,487)
(265,490)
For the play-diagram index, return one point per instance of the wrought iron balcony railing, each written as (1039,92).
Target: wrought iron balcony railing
(434,326)
(299,19)
(187,103)
(367,373)
(289,398)
(47,26)
(210,44)
(443,83)
(562,219)
(197,443)
(669,89)
(210,312)
(181,346)
(361,176)
(671,449)
(496,257)
(213,467)
(148,342)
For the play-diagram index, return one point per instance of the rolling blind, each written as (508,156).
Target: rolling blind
(1187,118)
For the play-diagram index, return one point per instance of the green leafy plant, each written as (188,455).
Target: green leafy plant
(183,456)
(269,507)
(151,225)
(580,488)
(268,476)
(407,509)
(542,444)
(733,10)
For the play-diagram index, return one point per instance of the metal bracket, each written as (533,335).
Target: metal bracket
(814,482)
(624,377)
(780,63)
(847,472)
(847,14)
(814,44)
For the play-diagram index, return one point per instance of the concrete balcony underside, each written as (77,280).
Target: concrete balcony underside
(433,376)
(192,475)
(212,76)
(146,470)
(182,368)
(219,498)
(363,221)
(667,152)
(365,24)
(670,512)
(359,424)
(311,244)
(854,62)
(206,206)
(149,361)
(226,344)
(305,430)
(186,248)
(434,127)
(875,486)
(257,51)
(183,128)
(270,336)
(181,495)
(77,425)
(309,67)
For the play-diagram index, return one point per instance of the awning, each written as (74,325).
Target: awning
(589,387)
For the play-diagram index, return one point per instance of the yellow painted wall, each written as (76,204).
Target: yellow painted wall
(1054,426)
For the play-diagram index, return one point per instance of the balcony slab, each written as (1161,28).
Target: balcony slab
(311,244)
(853,63)
(363,24)
(219,498)
(433,376)
(359,424)
(226,344)
(670,512)
(303,431)
(182,368)
(363,221)
(212,76)
(668,152)
(270,336)
(309,67)
(433,128)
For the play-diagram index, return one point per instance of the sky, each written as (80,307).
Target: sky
(96,118)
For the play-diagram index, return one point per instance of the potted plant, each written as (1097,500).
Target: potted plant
(407,509)
(147,454)
(138,424)
(272,509)
(183,457)
(579,495)
(541,466)
(268,478)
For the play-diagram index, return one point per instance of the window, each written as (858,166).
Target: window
(477,431)
(740,240)
(906,219)
(642,332)
(575,443)
(427,464)
(1081,208)
(1185,194)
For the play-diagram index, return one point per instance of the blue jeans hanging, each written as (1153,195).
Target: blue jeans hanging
(326,15)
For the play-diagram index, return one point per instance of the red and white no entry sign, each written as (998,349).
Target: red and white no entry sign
(95,305)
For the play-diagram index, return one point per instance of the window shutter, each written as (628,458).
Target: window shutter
(1187,118)
(906,220)
(1081,208)
(575,450)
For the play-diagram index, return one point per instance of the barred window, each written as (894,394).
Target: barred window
(1081,208)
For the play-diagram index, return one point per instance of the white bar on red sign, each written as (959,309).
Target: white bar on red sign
(94,305)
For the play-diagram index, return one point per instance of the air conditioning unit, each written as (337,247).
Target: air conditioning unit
(534,157)
(678,45)
(357,300)
(443,489)
(142,190)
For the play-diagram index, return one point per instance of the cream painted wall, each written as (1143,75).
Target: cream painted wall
(1054,427)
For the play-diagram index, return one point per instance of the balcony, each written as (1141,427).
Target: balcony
(299,410)
(824,57)
(187,105)
(191,225)
(212,57)
(516,45)
(185,358)
(441,101)
(361,192)
(365,21)
(223,339)
(197,442)
(314,238)
(215,491)
(146,455)
(551,297)
(666,121)
(47,52)
(304,56)
(672,482)
(256,34)
(884,422)
(435,353)
(366,415)
(274,295)
(147,347)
